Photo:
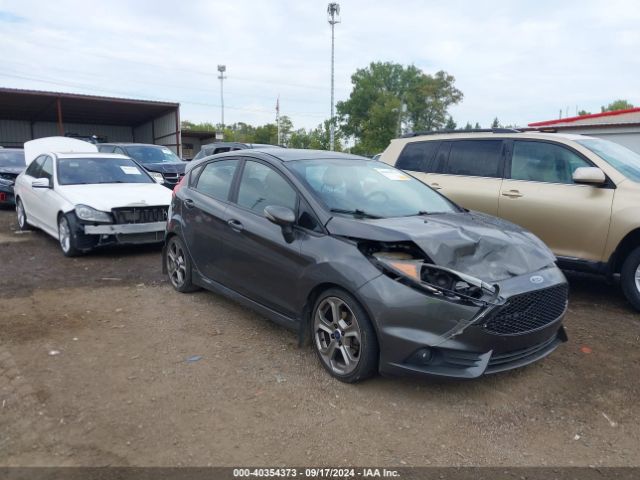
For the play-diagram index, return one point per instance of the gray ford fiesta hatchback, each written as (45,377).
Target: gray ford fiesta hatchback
(378,271)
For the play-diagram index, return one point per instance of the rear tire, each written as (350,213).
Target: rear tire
(22,216)
(178,264)
(630,278)
(66,237)
(343,337)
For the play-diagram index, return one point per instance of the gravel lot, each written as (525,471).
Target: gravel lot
(121,392)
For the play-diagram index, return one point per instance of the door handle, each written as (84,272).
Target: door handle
(235,225)
(189,203)
(435,186)
(512,193)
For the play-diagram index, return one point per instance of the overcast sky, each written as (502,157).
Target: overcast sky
(520,61)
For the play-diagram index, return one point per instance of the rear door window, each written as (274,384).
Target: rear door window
(417,157)
(544,162)
(216,178)
(475,158)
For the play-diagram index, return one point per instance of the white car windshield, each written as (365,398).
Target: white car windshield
(621,158)
(83,171)
(368,188)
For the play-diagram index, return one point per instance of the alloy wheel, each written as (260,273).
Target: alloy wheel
(337,335)
(64,234)
(176,264)
(637,278)
(22,218)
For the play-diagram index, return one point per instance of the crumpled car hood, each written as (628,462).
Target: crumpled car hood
(11,170)
(474,243)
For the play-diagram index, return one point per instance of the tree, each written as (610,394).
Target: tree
(451,125)
(617,105)
(317,138)
(477,126)
(468,126)
(583,112)
(495,123)
(386,96)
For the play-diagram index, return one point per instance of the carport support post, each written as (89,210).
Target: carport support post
(60,126)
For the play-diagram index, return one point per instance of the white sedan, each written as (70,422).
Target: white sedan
(90,199)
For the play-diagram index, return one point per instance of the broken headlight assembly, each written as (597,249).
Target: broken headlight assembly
(407,264)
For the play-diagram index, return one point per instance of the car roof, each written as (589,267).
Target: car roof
(289,154)
(499,134)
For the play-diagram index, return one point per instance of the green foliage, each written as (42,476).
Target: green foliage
(617,105)
(451,125)
(468,126)
(477,126)
(387,97)
(316,138)
(495,123)
(583,112)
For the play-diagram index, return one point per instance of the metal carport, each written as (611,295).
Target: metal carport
(30,114)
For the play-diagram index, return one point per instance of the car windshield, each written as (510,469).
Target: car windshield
(150,154)
(12,158)
(368,189)
(82,171)
(621,158)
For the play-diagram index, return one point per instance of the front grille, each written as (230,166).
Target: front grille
(140,214)
(529,311)
(172,177)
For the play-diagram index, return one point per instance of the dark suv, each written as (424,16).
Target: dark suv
(162,164)
(223,147)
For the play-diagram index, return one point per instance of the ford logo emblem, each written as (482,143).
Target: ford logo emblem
(536,279)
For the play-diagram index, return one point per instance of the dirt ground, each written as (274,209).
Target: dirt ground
(121,391)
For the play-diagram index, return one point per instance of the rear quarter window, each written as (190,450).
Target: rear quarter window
(475,158)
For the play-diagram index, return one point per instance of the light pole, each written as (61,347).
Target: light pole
(221,77)
(333,14)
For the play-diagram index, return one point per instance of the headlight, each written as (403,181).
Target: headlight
(157,177)
(83,212)
(439,280)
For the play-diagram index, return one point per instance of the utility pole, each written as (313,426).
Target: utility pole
(221,77)
(278,118)
(333,13)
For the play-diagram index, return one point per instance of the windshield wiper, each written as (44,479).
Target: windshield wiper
(356,212)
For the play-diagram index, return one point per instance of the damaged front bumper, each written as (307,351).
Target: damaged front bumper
(125,228)
(90,235)
(421,334)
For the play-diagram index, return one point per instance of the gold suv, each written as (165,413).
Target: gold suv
(579,194)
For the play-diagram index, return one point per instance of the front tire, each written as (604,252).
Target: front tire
(178,265)
(22,216)
(630,278)
(343,337)
(66,237)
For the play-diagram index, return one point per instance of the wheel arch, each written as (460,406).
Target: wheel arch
(304,332)
(630,241)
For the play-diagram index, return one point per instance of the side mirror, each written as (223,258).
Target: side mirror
(589,175)
(284,217)
(41,183)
